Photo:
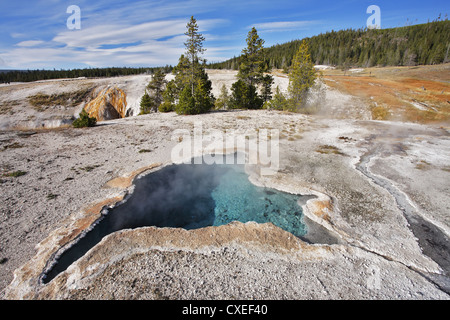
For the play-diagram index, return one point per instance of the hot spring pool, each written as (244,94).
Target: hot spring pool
(189,196)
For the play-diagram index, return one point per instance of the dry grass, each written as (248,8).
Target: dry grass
(42,101)
(15,174)
(379,112)
(394,90)
(423,165)
(327,149)
(243,117)
(14,145)
(8,106)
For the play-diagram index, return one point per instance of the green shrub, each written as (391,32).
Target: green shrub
(147,104)
(279,101)
(244,96)
(84,120)
(223,102)
(186,104)
(15,174)
(166,106)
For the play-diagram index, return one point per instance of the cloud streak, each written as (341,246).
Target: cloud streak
(114,33)
(151,33)
(282,26)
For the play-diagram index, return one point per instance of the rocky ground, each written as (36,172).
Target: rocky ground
(380,220)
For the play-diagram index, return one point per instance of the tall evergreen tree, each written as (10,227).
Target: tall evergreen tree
(182,74)
(244,96)
(169,97)
(251,73)
(301,77)
(194,48)
(266,92)
(252,66)
(190,73)
(156,88)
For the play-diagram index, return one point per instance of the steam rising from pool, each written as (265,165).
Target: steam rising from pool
(189,196)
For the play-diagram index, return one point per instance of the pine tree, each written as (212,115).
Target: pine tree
(194,48)
(157,85)
(301,78)
(186,104)
(223,101)
(84,120)
(147,104)
(251,73)
(267,82)
(279,101)
(182,74)
(244,96)
(190,73)
(169,97)
(252,66)
(156,88)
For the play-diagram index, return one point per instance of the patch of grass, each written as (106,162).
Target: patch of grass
(427,84)
(51,196)
(327,149)
(243,117)
(379,113)
(15,174)
(295,137)
(145,151)
(345,139)
(423,165)
(90,168)
(15,145)
(6,107)
(43,101)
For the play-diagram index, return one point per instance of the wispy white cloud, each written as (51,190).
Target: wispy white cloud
(282,26)
(113,33)
(142,44)
(30,43)
(93,37)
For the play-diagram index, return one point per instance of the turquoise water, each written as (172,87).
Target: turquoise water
(237,199)
(189,196)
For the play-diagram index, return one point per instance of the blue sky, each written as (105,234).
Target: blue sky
(133,33)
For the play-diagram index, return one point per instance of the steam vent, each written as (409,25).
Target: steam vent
(190,197)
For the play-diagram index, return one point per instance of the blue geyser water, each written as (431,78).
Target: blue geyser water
(237,199)
(188,196)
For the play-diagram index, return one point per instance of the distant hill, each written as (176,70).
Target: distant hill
(422,44)
(35,75)
(6,71)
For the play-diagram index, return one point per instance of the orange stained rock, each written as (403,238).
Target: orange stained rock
(111,103)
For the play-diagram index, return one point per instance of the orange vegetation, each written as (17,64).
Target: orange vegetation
(417,94)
